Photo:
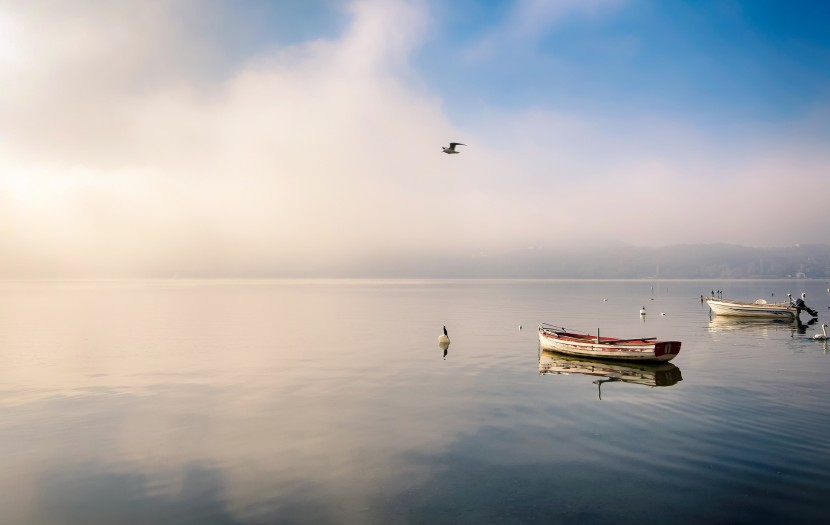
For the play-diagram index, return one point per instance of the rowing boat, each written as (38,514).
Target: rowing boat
(562,340)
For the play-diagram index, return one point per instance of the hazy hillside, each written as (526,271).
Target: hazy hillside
(621,262)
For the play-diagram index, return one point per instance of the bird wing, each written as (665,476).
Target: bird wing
(454,144)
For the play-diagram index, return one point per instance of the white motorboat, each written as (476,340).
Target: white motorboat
(759,308)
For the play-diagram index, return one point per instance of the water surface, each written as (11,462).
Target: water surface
(331,402)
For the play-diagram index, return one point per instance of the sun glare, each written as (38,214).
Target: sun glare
(9,40)
(38,190)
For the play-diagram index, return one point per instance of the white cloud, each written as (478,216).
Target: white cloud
(314,153)
(529,20)
(123,153)
(530,17)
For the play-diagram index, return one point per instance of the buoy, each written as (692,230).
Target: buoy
(444,338)
(643,310)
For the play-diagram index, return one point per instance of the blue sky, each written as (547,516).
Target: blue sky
(274,136)
(699,60)
(714,61)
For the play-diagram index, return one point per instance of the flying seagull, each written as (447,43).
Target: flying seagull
(451,148)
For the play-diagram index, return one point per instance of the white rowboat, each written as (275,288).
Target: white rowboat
(558,339)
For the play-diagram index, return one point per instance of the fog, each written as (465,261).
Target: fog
(131,145)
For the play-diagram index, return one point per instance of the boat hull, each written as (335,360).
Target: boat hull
(607,347)
(740,309)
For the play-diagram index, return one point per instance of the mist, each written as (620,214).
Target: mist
(131,145)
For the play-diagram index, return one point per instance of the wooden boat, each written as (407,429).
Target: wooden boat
(562,340)
(641,373)
(759,308)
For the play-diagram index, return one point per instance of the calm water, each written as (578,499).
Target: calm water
(331,402)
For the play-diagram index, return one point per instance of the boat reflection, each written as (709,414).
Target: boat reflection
(649,374)
(801,328)
(729,324)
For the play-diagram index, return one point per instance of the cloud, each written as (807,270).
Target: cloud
(115,161)
(128,149)
(528,21)
(530,17)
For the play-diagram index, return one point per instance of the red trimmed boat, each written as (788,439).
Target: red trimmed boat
(564,341)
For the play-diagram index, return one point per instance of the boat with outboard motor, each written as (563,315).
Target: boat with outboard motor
(760,308)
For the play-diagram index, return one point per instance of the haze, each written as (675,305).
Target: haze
(233,139)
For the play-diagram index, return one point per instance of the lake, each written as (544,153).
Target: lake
(331,402)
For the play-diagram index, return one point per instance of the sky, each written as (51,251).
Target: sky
(212,138)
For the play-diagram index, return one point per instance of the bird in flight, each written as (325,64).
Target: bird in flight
(451,148)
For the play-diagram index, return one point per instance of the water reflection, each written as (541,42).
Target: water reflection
(90,493)
(729,324)
(649,374)
(801,328)
(209,403)
(444,345)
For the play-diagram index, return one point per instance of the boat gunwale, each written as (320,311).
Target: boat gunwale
(610,341)
(776,306)
(578,337)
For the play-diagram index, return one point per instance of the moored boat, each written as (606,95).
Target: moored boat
(562,340)
(759,308)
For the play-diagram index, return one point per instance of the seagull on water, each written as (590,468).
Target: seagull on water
(451,149)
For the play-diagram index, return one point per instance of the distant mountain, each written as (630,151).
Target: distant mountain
(707,261)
